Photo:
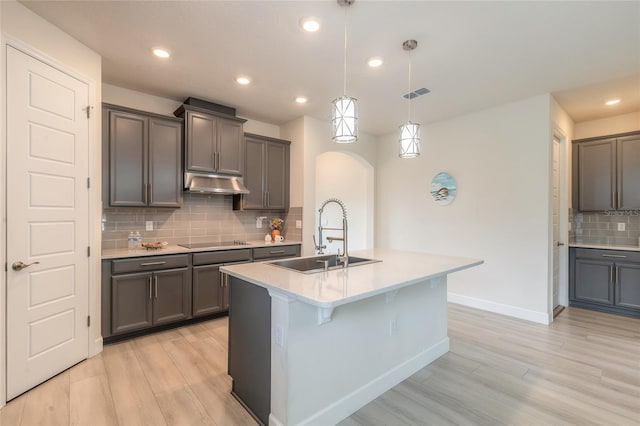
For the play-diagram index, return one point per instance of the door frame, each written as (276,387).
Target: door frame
(94,345)
(563,217)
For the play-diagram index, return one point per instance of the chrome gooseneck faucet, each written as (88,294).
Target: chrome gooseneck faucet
(344,257)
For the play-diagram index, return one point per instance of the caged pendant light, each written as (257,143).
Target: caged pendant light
(344,110)
(409,132)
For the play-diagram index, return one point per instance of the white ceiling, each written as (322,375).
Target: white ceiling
(472,55)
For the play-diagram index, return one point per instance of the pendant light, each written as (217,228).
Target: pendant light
(409,132)
(344,110)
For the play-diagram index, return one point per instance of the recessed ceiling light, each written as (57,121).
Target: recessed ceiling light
(301,99)
(374,61)
(612,102)
(243,80)
(310,24)
(161,53)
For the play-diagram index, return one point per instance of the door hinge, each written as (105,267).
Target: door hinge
(88,110)
(88,251)
(88,182)
(88,321)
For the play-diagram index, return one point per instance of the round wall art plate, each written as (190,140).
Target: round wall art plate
(443,189)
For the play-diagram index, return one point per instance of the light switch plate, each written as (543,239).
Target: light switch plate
(298,224)
(149,225)
(621,226)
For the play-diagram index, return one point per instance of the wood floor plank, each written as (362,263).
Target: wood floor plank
(11,414)
(91,402)
(134,402)
(48,403)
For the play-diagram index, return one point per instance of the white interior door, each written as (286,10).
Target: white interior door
(47,221)
(556,222)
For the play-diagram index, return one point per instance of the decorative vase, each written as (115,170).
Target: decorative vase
(274,233)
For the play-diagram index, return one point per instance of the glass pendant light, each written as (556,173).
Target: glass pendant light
(409,132)
(344,110)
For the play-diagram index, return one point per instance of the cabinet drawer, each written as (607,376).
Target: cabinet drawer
(150,263)
(611,255)
(226,256)
(275,252)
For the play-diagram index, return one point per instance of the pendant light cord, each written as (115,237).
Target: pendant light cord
(344,83)
(409,91)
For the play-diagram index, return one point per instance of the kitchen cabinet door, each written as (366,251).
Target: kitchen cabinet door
(207,290)
(201,135)
(629,172)
(596,175)
(277,176)
(165,145)
(254,175)
(594,281)
(628,285)
(131,302)
(127,159)
(171,296)
(230,147)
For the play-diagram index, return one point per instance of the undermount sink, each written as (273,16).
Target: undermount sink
(311,265)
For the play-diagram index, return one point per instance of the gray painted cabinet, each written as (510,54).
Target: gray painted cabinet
(143,158)
(266,174)
(214,142)
(207,290)
(607,173)
(605,280)
(131,309)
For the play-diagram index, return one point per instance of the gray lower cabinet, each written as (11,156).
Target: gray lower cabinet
(142,158)
(606,280)
(266,174)
(607,173)
(210,286)
(143,292)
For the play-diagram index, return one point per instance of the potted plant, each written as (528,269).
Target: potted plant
(276,225)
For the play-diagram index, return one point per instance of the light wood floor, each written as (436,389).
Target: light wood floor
(583,369)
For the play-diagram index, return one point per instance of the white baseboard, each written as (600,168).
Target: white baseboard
(499,308)
(357,399)
(96,347)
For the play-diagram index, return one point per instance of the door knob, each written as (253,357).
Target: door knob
(559,244)
(20,265)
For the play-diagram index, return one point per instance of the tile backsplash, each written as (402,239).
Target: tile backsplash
(602,227)
(202,218)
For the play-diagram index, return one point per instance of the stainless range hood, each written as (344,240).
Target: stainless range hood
(213,184)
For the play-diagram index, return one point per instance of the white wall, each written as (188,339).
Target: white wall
(500,158)
(316,140)
(23,26)
(350,179)
(138,100)
(608,126)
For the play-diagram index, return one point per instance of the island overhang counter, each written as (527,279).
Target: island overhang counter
(314,348)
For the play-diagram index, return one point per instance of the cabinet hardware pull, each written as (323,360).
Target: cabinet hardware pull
(615,275)
(617,256)
(611,274)
(619,200)
(221,279)
(146,192)
(152,263)
(150,295)
(150,193)
(276,252)
(155,280)
(613,200)
(268,198)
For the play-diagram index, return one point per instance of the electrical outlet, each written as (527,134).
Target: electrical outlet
(569,226)
(279,336)
(621,226)
(298,224)
(149,224)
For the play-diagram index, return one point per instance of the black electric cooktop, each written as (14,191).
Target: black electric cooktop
(214,244)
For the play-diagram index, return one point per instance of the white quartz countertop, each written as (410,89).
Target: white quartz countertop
(333,288)
(173,249)
(605,246)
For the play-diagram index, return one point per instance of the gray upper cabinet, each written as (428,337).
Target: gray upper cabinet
(142,156)
(266,174)
(214,141)
(607,173)
(629,172)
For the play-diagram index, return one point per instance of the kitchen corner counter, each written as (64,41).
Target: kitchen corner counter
(603,246)
(396,269)
(175,249)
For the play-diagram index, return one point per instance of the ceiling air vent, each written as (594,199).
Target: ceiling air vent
(416,93)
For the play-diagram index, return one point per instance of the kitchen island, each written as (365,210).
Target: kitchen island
(314,348)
